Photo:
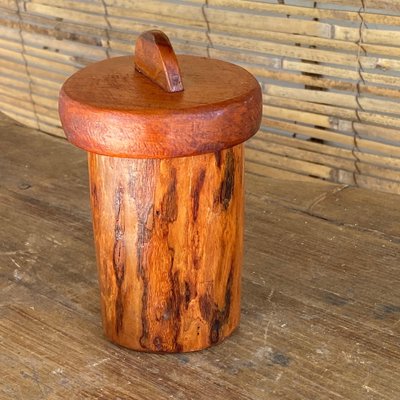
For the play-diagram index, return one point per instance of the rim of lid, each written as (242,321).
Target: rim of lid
(112,109)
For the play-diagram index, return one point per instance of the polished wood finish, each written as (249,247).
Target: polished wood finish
(166,178)
(111,109)
(156,59)
(320,303)
(169,243)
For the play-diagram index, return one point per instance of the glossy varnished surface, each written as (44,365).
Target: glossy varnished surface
(320,293)
(169,242)
(109,108)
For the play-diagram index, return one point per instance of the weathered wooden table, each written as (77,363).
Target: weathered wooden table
(321,293)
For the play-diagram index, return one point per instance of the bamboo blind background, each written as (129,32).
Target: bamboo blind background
(329,71)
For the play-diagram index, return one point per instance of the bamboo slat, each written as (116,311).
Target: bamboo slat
(333,111)
(371,131)
(336,163)
(307,11)
(301,166)
(385,5)
(326,149)
(345,140)
(329,71)
(344,100)
(277,173)
(318,69)
(326,83)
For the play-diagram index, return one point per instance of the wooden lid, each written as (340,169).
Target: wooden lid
(176,106)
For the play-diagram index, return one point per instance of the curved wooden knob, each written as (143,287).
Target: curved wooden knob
(156,59)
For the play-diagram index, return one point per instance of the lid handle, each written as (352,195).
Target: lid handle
(155,58)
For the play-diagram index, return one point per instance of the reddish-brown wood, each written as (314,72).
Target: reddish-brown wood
(156,59)
(166,177)
(110,108)
(169,240)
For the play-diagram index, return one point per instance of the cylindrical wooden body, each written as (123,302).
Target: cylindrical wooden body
(169,244)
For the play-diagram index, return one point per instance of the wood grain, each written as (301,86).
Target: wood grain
(169,242)
(156,59)
(320,295)
(168,230)
(109,108)
(350,49)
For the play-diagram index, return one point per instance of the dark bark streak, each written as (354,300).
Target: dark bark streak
(196,194)
(167,214)
(206,306)
(119,255)
(217,155)
(141,188)
(145,230)
(169,204)
(210,312)
(220,317)
(175,302)
(95,198)
(188,294)
(227,184)
(197,254)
